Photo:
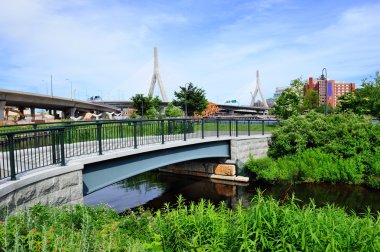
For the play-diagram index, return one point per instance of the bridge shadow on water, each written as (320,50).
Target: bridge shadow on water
(153,189)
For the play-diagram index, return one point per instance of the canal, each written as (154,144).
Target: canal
(153,189)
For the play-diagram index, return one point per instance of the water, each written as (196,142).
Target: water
(153,189)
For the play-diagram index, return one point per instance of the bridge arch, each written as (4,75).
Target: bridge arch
(102,174)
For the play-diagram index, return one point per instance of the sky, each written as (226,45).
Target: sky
(105,48)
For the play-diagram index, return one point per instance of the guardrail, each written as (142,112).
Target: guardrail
(24,150)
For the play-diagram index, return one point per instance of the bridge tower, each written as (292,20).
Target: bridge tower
(157,77)
(258,90)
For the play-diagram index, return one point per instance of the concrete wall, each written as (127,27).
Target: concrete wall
(54,186)
(241,149)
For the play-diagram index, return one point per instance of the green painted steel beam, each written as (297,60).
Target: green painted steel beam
(99,175)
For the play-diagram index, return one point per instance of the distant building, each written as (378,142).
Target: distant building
(334,90)
(278,92)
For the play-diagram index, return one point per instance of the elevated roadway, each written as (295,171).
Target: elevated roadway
(70,107)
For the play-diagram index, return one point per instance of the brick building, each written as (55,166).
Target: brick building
(334,90)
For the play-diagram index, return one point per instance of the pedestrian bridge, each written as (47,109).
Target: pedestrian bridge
(59,165)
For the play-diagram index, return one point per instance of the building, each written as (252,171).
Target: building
(335,89)
(278,92)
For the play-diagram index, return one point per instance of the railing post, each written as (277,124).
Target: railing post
(141,129)
(53,150)
(217,127)
(230,122)
(135,134)
(99,136)
(203,127)
(35,136)
(262,127)
(62,143)
(184,129)
(249,127)
(162,131)
(237,127)
(121,129)
(12,156)
(70,131)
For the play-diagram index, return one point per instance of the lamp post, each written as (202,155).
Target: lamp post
(325,78)
(71,88)
(142,107)
(186,100)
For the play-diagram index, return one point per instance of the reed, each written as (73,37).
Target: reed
(265,225)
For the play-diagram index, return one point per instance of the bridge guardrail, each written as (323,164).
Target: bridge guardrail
(27,149)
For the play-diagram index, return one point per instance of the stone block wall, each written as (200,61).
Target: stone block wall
(241,149)
(63,189)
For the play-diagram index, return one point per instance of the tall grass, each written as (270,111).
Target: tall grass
(265,225)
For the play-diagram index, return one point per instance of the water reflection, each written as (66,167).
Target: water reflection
(153,189)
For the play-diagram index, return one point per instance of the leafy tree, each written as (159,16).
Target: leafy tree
(287,105)
(194,97)
(310,100)
(297,86)
(143,103)
(173,111)
(152,113)
(364,100)
(211,110)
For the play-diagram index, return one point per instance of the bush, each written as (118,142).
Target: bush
(344,135)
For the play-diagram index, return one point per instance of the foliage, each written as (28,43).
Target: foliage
(315,148)
(344,135)
(265,225)
(364,100)
(143,103)
(152,113)
(310,100)
(312,165)
(287,105)
(194,97)
(211,110)
(297,85)
(173,111)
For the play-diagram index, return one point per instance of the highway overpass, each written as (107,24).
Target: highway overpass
(69,107)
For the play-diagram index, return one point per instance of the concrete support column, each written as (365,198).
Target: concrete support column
(21,110)
(104,115)
(33,113)
(72,112)
(2,109)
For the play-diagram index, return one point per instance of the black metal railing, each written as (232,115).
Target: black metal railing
(22,150)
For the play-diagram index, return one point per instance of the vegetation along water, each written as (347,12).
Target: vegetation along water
(338,148)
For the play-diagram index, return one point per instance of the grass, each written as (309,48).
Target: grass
(265,225)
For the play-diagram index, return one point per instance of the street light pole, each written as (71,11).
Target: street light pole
(325,78)
(186,100)
(142,108)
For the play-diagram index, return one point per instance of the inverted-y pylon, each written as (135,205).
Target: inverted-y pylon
(156,77)
(258,90)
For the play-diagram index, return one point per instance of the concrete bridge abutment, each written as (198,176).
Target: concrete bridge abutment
(58,186)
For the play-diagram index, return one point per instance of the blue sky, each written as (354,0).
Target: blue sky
(106,47)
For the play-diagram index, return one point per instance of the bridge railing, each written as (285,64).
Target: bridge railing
(24,150)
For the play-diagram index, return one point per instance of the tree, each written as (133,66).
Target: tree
(310,100)
(211,110)
(143,103)
(287,105)
(364,100)
(173,111)
(194,97)
(298,86)
(151,113)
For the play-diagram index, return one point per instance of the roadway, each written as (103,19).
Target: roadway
(71,107)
